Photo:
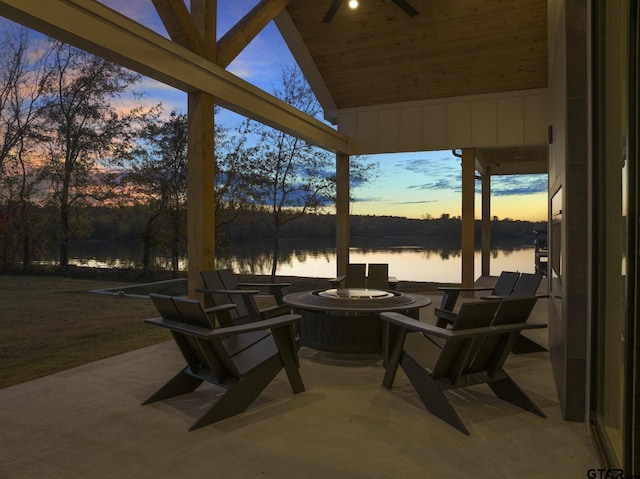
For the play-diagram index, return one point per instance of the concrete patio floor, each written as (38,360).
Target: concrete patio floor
(88,423)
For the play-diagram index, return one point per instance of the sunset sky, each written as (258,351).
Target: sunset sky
(410,184)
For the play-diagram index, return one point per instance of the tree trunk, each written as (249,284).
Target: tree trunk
(276,251)
(147,236)
(64,235)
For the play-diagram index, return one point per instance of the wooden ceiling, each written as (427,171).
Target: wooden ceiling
(377,54)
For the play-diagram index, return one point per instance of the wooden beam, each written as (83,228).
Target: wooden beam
(241,34)
(180,27)
(204,13)
(468,216)
(91,26)
(485,235)
(305,61)
(200,184)
(201,222)
(343,234)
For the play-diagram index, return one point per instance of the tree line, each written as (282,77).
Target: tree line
(128,223)
(75,140)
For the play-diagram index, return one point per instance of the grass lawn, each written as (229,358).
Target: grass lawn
(52,323)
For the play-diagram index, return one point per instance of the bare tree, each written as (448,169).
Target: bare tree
(159,178)
(289,176)
(23,74)
(84,131)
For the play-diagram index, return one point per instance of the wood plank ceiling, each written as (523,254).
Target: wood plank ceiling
(377,54)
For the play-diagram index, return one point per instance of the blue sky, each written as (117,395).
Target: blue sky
(409,184)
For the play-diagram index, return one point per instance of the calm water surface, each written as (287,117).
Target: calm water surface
(409,259)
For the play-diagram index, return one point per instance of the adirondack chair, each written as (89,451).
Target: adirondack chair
(361,275)
(230,292)
(473,352)
(503,287)
(240,360)
(527,285)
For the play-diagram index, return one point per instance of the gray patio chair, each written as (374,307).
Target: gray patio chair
(503,287)
(247,309)
(240,360)
(472,352)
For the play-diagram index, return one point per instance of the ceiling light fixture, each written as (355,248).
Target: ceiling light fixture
(353,4)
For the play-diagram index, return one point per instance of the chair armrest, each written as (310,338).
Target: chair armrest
(240,292)
(274,311)
(495,296)
(456,288)
(206,333)
(431,330)
(448,316)
(265,285)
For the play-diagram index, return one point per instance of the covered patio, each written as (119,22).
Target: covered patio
(88,422)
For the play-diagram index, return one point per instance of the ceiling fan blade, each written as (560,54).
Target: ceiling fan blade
(333,8)
(408,9)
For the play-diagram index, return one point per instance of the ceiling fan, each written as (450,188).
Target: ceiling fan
(335,5)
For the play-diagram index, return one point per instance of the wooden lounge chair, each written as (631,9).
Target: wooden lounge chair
(240,360)
(356,277)
(230,292)
(473,352)
(503,287)
(527,285)
(361,275)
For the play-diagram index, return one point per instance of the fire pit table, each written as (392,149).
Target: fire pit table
(347,320)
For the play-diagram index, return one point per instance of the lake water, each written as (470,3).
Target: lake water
(409,259)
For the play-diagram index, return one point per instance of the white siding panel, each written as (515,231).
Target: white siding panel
(510,120)
(484,127)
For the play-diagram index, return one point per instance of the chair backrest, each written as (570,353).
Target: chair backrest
(228,278)
(457,354)
(505,284)
(494,349)
(192,312)
(527,284)
(378,276)
(166,307)
(356,275)
(209,354)
(214,280)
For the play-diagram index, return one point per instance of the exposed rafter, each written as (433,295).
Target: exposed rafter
(241,34)
(179,24)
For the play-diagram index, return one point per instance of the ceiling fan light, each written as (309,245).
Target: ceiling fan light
(353,4)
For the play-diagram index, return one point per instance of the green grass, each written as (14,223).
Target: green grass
(51,323)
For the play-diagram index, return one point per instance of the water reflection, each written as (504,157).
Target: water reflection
(409,259)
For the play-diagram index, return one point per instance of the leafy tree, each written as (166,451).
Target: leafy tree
(84,132)
(289,176)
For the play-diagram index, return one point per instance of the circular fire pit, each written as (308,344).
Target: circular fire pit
(347,320)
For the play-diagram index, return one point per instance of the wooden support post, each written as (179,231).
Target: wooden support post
(343,232)
(200,181)
(201,247)
(468,216)
(485,236)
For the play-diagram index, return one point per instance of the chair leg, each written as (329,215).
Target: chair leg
(181,383)
(506,389)
(239,397)
(288,352)
(393,352)
(432,397)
